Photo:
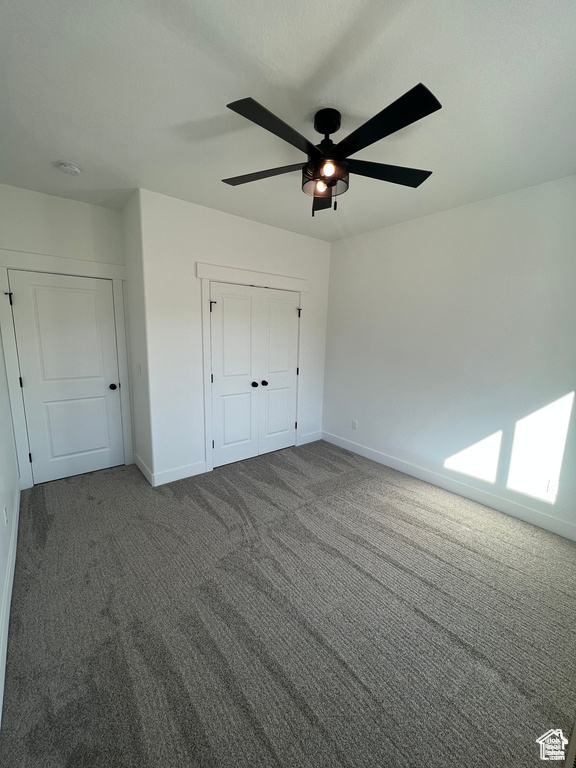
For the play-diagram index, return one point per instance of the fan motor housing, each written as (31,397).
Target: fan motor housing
(327,121)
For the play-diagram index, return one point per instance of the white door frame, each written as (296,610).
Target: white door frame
(208,273)
(32,262)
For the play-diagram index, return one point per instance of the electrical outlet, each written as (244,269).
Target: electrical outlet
(354,424)
(5,516)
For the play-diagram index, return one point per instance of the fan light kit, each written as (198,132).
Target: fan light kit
(70,169)
(326,173)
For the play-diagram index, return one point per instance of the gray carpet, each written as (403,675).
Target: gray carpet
(308,608)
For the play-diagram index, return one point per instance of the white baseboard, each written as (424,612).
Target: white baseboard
(178,473)
(310,437)
(7,596)
(146,471)
(529,515)
(169,475)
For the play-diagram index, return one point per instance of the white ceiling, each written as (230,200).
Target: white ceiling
(134,91)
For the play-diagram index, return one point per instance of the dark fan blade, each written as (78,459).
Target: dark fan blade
(235,180)
(397,174)
(321,204)
(258,114)
(414,105)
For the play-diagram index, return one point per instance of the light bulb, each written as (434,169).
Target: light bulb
(328,169)
(321,187)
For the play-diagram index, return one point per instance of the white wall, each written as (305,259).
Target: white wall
(175,235)
(9,502)
(446,329)
(33,222)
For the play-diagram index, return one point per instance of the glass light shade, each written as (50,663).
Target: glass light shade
(335,184)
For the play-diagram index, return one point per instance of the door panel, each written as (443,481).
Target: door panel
(280,331)
(277,411)
(54,308)
(254,334)
(66,339)
(236,335)
(90,413)
(237,414)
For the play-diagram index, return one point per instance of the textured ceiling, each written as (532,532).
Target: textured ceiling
(135,93)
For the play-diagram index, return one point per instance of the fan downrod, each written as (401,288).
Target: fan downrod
(327,121)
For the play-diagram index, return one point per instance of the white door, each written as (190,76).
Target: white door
(254,357)
(278,359)
(234,399)
(66,337)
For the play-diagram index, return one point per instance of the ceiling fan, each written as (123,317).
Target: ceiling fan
(326,173)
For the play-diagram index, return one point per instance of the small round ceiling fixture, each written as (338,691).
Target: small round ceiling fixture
(70,169)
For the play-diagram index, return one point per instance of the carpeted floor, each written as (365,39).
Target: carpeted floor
(307,609)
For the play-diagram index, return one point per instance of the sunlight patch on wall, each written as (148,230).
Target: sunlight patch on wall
(478,460)
(538,450)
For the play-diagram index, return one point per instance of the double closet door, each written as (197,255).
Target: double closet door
(254,336)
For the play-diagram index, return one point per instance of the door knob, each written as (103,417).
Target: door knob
(264,383)
(254,383)
(113,386)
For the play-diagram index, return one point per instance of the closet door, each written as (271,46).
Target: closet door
(254,334)
(279,349)
(234,331)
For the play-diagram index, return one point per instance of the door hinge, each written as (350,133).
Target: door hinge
(9,294)
(30,457)
(295,425)
(211,378)
(297,371)
(20,380)
(212,302)
(212,444)
(299,311)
